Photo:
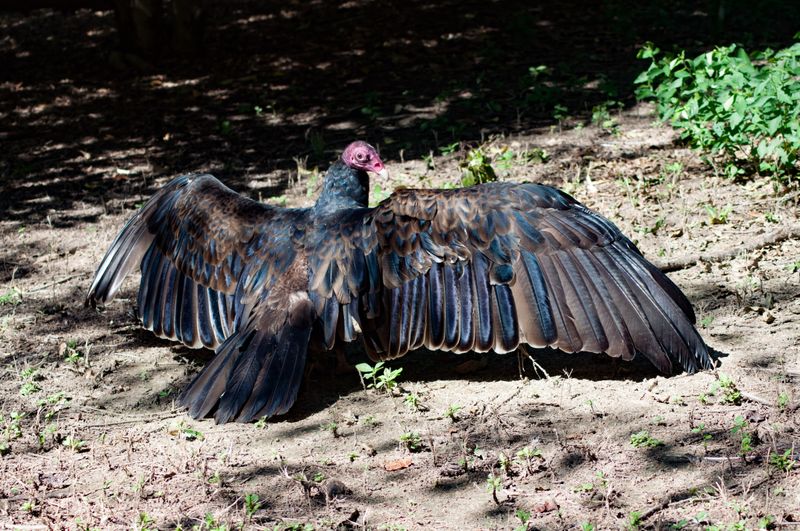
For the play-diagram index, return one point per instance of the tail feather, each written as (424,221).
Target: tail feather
(257,371)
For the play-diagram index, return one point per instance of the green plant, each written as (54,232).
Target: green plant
(560,113)
(783,462)
(412,401)
(494,484)
(450,148)
(739,107)
(74,444)
(71,352)
(730,393)
(524,517)
(29,385)
(477,168)
(525,457)
(586,526)
(452,411)
(187,432)
(11,297)
(144,522)
(717,216)
(783,400)
(387,380)
(331,427)
(601,116)
(412,441)
(700,429)
(642,439)
(634,520)
(251,505)
(740,426)
(583,487)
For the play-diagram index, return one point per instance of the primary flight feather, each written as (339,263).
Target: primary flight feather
(474,269)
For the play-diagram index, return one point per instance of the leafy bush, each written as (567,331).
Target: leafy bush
(742,108)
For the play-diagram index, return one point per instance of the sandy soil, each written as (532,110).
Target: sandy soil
(90,437)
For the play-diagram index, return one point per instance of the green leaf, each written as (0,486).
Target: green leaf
(774,124)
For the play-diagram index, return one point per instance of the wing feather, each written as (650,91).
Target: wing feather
(203,250)
(490,267)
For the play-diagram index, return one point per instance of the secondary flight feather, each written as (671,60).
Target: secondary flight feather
(483,268)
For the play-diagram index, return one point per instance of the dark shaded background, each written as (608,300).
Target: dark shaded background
(280,80)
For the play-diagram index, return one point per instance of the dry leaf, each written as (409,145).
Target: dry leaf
(398,464)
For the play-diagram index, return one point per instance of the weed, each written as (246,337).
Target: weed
(261,424)
(583,487)
(634,520)
(29,506)
(730,393)
(586,526)
(738,107)
(494,484)
(535,156)
(387,380)
(331,427)
(187,432)
(412,441)
(412,401)
(717,216)
(74,444)
(705,437)
(783,462)
(71,353)
(379,194)
(251,505)
(11,297)
(783,400)
(706,321)
(601,117)
(766,522)
(740,426)
(452,412)
(560,113)
(524,517)
(643,439)
(450,148)
(477,168)
(525,457)
(29,386)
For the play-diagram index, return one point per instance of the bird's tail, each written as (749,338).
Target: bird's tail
(256,373)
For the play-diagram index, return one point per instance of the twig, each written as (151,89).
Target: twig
(54,283)
(784,233)
(753,398)
(133,421)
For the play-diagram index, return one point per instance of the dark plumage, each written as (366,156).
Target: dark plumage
(475,269)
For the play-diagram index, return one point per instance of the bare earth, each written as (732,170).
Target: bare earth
(92,439)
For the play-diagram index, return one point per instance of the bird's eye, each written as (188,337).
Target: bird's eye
(360,155)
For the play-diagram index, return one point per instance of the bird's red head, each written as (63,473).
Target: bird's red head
(362,156)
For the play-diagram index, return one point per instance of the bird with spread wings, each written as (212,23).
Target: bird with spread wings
(483,268)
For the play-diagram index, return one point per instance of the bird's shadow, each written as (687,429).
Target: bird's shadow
(325,381)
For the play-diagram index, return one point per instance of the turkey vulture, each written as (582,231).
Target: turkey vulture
(474,269)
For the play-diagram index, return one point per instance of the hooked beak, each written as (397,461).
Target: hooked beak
(383,173)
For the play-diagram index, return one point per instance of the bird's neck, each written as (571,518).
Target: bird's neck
(343,188)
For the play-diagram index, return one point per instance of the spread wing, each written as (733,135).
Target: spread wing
(493,266)
(204,252)
(221,271)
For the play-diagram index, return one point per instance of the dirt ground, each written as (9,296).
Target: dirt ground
(89,435)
